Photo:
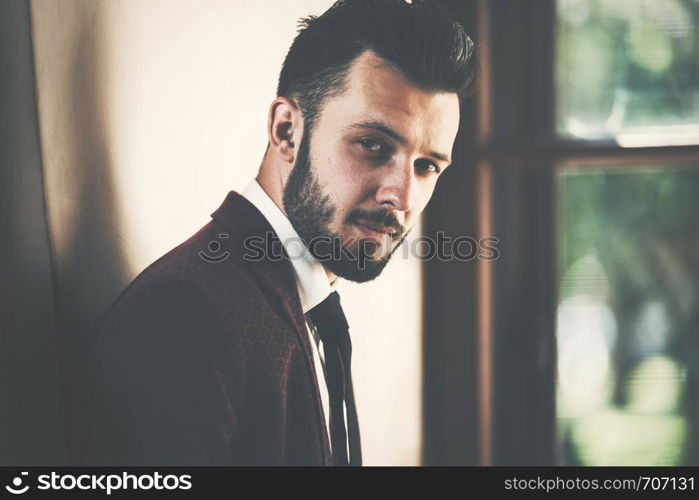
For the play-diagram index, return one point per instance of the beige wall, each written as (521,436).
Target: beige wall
(150,111)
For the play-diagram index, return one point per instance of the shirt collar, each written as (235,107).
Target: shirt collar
(311,279)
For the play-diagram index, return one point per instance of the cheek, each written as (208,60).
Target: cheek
(343,175)
(422,200)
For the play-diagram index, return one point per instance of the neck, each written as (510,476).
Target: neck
(332,277)
(272,179)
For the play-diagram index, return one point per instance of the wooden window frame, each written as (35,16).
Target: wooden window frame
(489,326)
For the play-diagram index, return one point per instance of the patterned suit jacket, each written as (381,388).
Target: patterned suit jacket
(204,359)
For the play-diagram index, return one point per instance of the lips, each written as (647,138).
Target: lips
(379,229)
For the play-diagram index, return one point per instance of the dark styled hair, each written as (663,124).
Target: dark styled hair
(420,39)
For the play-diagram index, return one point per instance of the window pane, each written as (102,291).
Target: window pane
(628,349)
(629,70)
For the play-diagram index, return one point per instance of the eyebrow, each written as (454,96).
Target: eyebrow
(382,127)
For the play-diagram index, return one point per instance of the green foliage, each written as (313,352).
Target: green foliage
(626,63)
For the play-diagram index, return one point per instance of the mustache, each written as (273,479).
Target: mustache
(378,218)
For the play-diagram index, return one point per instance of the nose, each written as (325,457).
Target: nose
(397,188)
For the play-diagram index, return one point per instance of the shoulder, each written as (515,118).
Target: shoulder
(186,281)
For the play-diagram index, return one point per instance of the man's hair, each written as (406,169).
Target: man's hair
(420,39)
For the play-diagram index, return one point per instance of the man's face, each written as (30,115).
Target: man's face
(367,170)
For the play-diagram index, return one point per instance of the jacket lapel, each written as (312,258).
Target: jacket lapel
(274,276)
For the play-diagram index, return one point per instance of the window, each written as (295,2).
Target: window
(580,153)
(626,323)
(628,70)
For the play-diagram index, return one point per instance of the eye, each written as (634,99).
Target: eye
(371,145)
(427,166)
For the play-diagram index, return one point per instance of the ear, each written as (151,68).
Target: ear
(284,128)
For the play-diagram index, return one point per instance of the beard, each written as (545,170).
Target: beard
(310,211)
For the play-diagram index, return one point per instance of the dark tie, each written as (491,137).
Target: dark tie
(333,330)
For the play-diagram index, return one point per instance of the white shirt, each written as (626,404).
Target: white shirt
(312,281)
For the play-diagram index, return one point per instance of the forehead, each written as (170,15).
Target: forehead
(376,91)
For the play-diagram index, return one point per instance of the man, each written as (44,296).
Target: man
(228,351)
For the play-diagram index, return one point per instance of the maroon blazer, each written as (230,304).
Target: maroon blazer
(204,359)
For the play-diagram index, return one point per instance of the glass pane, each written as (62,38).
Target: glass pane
(628,315)
(629,70)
